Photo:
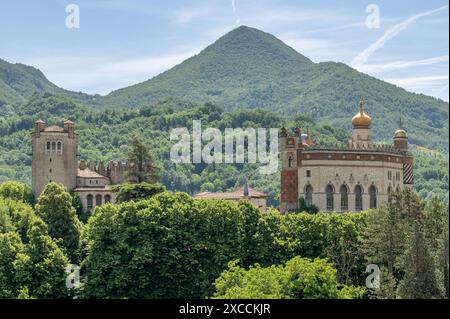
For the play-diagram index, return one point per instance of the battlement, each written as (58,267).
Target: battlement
(115,171)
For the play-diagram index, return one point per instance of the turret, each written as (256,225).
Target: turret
(39,126)
(401,140)
(361,122)
(69,127)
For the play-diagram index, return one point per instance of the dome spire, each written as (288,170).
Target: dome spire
(361,119)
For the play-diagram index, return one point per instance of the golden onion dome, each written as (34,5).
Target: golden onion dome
(400,133)
(361,119)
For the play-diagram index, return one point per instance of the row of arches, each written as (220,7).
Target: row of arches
(54,147)
(344,192)
(99,200)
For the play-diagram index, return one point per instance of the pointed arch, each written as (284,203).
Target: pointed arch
(358,198)
(344,197)
(308,194)
(372,196)
(329,191)
(98,200)
(90,201)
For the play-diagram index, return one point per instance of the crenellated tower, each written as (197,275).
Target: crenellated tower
(54,155)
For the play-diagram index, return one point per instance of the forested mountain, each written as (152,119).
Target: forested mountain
(248,68)
(105,135)
(247,78)
(18,82)
(251,69)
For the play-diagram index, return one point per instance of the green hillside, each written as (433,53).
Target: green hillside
(248,68)
(247,78)
(105,135)
(18,82)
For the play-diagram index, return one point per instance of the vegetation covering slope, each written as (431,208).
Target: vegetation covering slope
(248,68)
(106,136)
(18,82)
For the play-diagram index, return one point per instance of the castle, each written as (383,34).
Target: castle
(54,159)
(354,178)
(357,177)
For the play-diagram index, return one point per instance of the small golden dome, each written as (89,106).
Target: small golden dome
(400,133)
(361,118)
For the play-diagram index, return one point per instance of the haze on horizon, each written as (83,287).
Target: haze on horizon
(123,43)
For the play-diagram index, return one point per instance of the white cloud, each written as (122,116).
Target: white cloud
(233,6)
(435,85)
(98,75)
(383,67)
(362,57)
(317,49)
(416,82)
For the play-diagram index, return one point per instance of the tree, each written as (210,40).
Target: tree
(141,166)
(54,206)
(407,241)
(126,192)
(299,278)
(31,263)
(420,280)
(437,233)
(18,191)
(303,207)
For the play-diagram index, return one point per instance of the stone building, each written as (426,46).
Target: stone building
(54,159)
(258,199)
(357,177)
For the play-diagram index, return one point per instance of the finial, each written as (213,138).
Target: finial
(400,126)
(361,105)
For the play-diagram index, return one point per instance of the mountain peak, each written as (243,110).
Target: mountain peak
(245,39)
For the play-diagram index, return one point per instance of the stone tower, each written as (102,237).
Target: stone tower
(289,146)
(54,155)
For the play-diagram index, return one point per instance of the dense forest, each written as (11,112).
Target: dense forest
(250,69)
(105,135)
(168,245)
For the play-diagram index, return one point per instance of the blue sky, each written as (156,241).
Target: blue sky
(120,43)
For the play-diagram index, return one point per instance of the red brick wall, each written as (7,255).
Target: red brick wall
(289,186)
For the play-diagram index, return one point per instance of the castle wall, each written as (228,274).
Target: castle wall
(98,197)
(350,173)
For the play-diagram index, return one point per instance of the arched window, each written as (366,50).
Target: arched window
(398,190)
(59,148)
(308,195)
(290,162)
(98,200)
(48,148)
(358,198)
(330,200)
(53,146)
(107,198)
(372,197)
(90,201)
(344,198)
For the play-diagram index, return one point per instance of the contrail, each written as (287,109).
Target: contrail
(361,58)
(233,5)
(367,68)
